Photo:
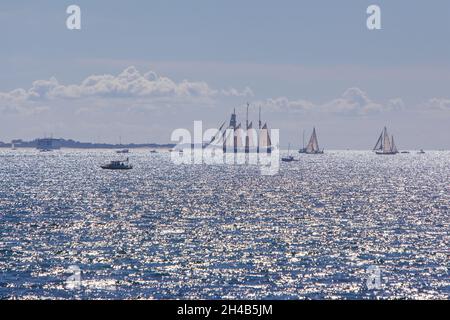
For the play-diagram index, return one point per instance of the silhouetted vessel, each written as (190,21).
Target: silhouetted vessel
(123,151)
(385,145)
(313,145)
(289,157)
(235,138)
(47,144)
(118,165)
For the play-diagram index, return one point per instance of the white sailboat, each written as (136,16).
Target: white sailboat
(313,145)
(385,145)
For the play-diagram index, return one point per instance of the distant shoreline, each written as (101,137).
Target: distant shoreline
(72,144)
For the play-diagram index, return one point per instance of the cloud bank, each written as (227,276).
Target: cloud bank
(128,84)
(158,91)
(353,102)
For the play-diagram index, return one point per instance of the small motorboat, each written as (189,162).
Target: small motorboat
(421,151)
(405,152)
(123,151)
(153,151)
(287,159)
(118,165)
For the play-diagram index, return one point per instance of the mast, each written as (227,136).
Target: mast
(259,131)
(259,118)
(247,138)
(303,139)
(246,120)
(237,137)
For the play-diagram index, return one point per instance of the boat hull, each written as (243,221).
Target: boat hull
(111,168)
(304,152)
(385,153)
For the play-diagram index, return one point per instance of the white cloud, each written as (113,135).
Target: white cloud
(151,91)
(353,101)
(128,84)
(438,104)
(283,104)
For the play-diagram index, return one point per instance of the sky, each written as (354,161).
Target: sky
(137,70)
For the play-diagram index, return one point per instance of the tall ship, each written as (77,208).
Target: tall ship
(385,145)
(243,138)
(312,146)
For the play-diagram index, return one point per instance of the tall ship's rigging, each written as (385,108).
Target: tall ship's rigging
(235,138)
(385,145)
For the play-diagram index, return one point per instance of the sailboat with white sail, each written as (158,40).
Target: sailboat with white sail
(385,145)
(312,146)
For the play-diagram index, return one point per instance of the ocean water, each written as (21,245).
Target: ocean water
(317,230)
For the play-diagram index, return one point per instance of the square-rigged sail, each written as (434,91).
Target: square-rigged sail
(238,138)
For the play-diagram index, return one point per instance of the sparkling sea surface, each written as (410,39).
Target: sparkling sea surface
(166,231)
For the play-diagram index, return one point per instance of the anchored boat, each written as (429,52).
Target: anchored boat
(385,145)
(118,165)
(289,157)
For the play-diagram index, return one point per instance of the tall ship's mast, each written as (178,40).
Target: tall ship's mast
(247,128)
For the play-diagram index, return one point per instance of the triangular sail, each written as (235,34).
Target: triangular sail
(379,144)
(393,146)
(313,144)
(264,138)
(386,141)
(216,136)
